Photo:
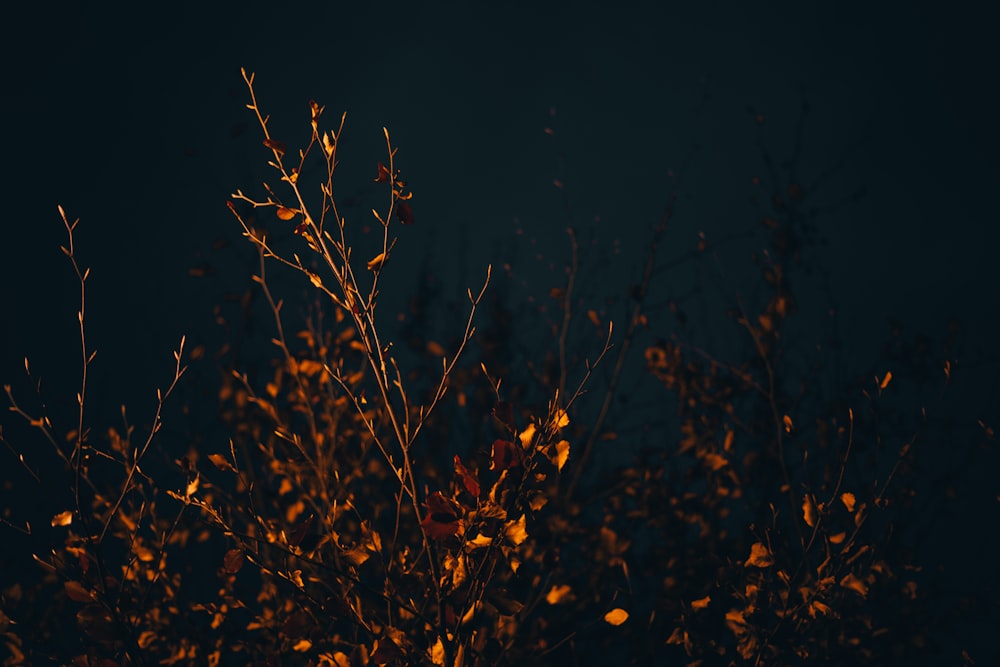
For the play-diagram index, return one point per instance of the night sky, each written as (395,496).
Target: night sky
(132,119)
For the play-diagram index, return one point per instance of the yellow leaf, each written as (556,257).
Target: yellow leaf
(848,500)
(437,653)
(515,531)
(616,616)
(701,603)
(479,542)
(561,419)
(526,435)
(376,262)
(809,510)
(63,518)
(562,453)
(559,594)
(760,556)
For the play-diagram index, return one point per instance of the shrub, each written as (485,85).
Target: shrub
(346,519)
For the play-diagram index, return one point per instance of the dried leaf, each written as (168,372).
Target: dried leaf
(63,518)
(221,462)
(383,174)
(78,593)
(376,262)
(276,146)
(232,561)
(760,556)
(405,213)
(559,594)
(506,455)
(848,500)
(809,510)
(442,520)
(515,531)
(616,616)
(885,381)
(852,582)
(467,478)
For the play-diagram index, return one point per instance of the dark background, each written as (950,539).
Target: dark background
(132,119)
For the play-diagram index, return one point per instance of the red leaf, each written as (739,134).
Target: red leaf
(442,519)
(405,213)
(300,531)
(233,561)
(383,174)
(506,455)
(468,478)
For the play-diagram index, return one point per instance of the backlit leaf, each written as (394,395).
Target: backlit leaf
(760,556)
(515,531)
(809,510)
(376,262)
(559,594)
(467,478)
(562,453)
(63,518)
(885,381)
(221,462)
(848,500)
(616,616)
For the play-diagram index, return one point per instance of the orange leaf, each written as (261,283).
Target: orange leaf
(702,603)
(760,556)
(809,510)
(848,500)
(285,213)
(616,616)
(852,582)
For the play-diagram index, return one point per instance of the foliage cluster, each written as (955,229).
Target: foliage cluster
(347,520)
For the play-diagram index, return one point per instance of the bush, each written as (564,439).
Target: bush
(377,502)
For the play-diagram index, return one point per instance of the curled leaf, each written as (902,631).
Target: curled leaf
(375,263)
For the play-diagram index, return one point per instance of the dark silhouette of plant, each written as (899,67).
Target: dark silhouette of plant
(453,501)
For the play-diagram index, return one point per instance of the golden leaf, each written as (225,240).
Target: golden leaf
(561,419)
(375,263)
(562,453)
(63,518)
(515,531)
(809,510)
(616,616)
